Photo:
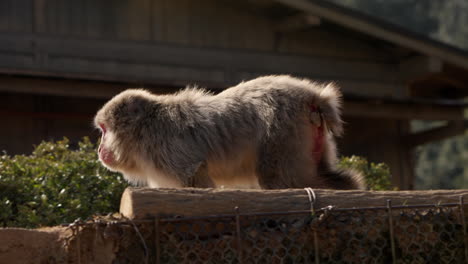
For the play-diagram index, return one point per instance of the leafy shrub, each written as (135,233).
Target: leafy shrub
(56,185)
(377,176)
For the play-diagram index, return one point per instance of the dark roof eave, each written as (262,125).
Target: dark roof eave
(381,29)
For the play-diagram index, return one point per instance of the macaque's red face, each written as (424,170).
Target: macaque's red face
(105,155)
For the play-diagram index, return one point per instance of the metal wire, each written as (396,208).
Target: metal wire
(392,237)
(145,247)
(157,239)
(238,235)
(462,216)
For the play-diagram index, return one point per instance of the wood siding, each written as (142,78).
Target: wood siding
(214,43)
(29,119)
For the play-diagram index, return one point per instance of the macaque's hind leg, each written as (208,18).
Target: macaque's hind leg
(286,160)
(236,170)
(201,179)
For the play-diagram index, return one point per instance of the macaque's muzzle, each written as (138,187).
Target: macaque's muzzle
(106,156)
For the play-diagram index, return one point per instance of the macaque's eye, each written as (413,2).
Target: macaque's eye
(103,128)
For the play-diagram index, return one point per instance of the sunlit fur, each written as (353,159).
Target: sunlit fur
(257,134)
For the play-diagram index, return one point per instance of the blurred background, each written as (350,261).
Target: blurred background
(444,163)
(402,66)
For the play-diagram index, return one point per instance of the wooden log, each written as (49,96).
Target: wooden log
(140,203)
(404,111)
(453,128)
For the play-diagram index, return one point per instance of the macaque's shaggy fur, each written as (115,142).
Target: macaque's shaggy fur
(271,132)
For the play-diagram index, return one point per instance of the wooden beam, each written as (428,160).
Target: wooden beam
(47,115)
(103,89)
(297,22)
(71,88)
(448,80)
(138,203)
(172,65)
(405,111)
(453,128)
(59,87)
(260,3)
(419,66)
(188,63)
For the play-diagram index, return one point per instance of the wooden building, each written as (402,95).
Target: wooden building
(61,60)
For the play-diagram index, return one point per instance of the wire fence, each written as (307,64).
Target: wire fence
(387,234)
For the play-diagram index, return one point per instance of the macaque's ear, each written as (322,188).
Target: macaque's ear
(330,106)
(136,108)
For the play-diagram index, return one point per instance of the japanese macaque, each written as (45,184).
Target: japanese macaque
(271,132)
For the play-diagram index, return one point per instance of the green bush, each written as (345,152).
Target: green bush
(56,185)
(377,176)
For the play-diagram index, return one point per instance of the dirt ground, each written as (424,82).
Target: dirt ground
(47,245)
(55,245)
